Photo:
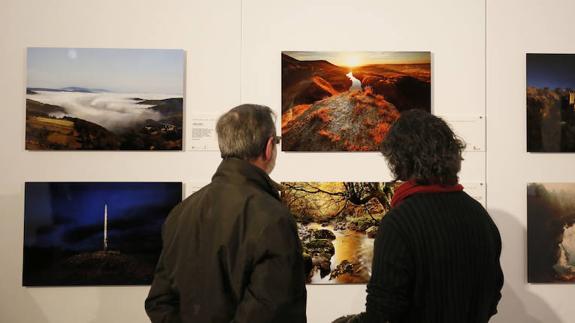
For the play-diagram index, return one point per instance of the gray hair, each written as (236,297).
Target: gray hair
(243,131)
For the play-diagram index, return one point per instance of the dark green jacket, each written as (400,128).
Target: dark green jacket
(231,254)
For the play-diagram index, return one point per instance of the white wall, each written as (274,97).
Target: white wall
(233,55)
(514,28)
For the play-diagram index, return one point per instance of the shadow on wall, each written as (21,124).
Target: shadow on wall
(16,302)
(518,304)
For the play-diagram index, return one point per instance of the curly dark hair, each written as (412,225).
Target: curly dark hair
(421,147)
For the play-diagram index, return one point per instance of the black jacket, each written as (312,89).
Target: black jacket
(436,260)
(231,254)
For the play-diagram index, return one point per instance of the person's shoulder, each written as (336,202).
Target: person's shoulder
(189,202)
(475,206)
(196,196)
(421,200)
(393,218)
(472,201)
(269,217)
(403,210)
(266,202)
(421,205)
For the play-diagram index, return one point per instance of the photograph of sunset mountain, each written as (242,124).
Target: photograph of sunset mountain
(104,99)
(94,233)
(346,101)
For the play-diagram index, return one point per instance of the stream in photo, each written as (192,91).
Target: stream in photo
(355,83)
(350,245)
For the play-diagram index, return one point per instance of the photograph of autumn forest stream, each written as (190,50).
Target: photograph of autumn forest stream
(337,224)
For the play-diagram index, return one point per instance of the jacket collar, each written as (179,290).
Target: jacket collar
(238,171)
(411,187)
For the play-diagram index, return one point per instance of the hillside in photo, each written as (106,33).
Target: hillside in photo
(69,120)
(104,99)
(326,107)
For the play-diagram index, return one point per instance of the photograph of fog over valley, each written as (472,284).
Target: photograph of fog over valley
(337,223)
(104,99)
(551,102)
(94,233)
(551,232)
(346,101)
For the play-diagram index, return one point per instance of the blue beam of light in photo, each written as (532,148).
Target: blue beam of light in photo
(551,70)
(70,216)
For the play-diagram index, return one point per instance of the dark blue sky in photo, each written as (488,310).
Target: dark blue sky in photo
(551,70)
(70,216)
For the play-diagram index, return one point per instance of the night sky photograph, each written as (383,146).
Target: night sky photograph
(550,103)
(551,70)
(100,233)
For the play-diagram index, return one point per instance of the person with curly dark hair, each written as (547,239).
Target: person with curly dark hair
(436,253)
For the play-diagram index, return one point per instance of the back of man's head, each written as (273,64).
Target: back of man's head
(244,131)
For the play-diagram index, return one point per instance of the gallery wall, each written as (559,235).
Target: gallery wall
(232,56)
(515,28)
(210,34)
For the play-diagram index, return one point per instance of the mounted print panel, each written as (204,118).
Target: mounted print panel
(337,223)
(104,99)
(551,232)
(346,101)
(551,102)
(94,233)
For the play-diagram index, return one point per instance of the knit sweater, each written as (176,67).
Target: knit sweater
(436,259)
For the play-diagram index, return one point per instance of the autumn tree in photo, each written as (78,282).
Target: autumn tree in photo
(337,222)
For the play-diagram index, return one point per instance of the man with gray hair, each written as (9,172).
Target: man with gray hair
(231,251)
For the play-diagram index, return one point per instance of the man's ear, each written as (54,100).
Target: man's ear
(269,149)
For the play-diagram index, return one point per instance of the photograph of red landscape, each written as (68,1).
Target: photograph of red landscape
(551,102)
(337,223)
(551,232)
(104,99)
(346,101)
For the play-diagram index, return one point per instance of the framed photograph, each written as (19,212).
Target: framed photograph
(94,233)
(337,224)
(551,102)
(104,99)
(346,101)
(551,232)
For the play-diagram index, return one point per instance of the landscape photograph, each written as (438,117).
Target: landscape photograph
(550,103)
(337,223)
(551,232)
(346,101)
(104,99)
(94,233)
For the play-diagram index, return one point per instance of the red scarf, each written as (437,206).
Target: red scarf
(409,188)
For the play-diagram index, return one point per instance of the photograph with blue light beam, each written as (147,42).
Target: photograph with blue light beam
(94,233)
(550,102)
(346,101)
(104,99)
